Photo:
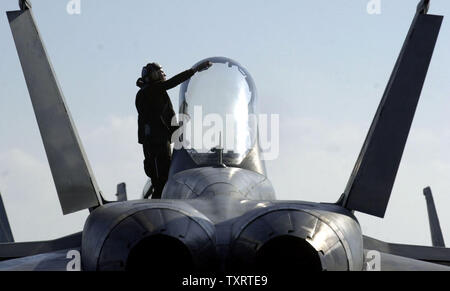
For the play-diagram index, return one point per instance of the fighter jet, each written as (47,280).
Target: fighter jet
(218,211)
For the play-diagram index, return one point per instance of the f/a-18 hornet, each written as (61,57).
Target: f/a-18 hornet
(218,211)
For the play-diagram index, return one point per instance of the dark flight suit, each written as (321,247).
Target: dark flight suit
(154,128)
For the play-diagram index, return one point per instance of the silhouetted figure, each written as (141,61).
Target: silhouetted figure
(154,120)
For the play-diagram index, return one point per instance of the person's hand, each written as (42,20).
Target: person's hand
(203,66)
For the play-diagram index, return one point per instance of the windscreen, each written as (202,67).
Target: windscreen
(217,110)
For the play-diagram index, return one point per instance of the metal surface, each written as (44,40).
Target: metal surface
(112,231)
(221,209)
(215,230)
(389,262)
(370,185)
(333,234)
(122,192)
(423,6)
(435,227)
(55,261)
(216,180)
(73,177)
(24,4)
(423,253)
(17,250)
(5,228)
(182,161)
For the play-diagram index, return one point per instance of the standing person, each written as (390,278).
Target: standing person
(155,114)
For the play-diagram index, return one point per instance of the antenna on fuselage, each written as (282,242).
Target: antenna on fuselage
(219,151)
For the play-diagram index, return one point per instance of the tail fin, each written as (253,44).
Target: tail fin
(435,227)
(73,177)
(370,185)
(5,229)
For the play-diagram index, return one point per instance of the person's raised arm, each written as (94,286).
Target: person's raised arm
(180,78)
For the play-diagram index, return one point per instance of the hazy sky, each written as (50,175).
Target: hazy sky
(321,65)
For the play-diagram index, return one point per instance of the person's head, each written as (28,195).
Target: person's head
(153,72)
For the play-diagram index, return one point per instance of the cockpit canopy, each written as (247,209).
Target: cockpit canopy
(217,110)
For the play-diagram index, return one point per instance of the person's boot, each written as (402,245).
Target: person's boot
(157,192)
(149,193)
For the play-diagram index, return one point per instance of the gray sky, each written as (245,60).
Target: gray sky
(321,65)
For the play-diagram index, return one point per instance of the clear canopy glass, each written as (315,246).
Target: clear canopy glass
(217,107)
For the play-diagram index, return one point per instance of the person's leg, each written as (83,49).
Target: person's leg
(157,182)
(163,160)
(150,167)
(156,165)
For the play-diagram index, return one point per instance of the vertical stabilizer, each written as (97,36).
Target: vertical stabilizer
(435,227)
(5,229)
(74,180)
(369,187)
